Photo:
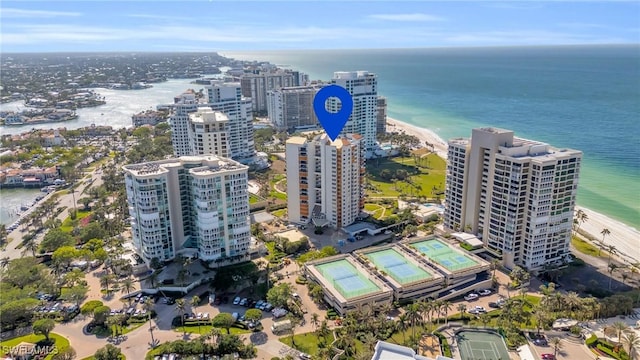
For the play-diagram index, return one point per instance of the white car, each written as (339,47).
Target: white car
(471,296)
(236,301)
(484,292)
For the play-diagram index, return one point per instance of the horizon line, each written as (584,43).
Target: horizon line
(322,49)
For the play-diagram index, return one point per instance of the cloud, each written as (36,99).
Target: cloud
(23,13)
(415,17)
(158,17)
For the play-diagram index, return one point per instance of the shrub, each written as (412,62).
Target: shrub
(591,340)
(444,344)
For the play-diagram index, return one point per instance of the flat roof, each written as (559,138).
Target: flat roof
(348,280)
(359,227)
(399,267)
(444,254)
(468,238)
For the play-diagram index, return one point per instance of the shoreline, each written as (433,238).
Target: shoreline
(624,237)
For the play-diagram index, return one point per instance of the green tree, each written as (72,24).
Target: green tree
(223,320)
(631,342)
(90,306)
(253,315)
(56,238)
(100,314)
(44,327)
(195,301)
(63,256)
(181,307)
(75,294)
(280,294)
(108,352)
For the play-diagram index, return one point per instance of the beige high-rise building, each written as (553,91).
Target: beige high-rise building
(183,104)
(256,86)
(191,205)
(517,195)
(208,132)
(325,179)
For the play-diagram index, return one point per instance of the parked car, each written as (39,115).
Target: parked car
(236,301)
(258,304)
(243,302)
(548,357)
(471,296)
(484,292)
(279,312)
(494,305)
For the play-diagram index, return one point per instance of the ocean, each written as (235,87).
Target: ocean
(581,97)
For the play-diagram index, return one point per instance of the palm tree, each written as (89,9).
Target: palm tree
(127,285)
(616,328)
(195,301)
(581,217)
(402,326)
(631,340)
(485,319)
(369,341)
(446,307)
(572,301)
(413,314)
(315,320)
(611,249)
(105,281)
(556,343)
(462,308)
(148,307)
(604,233)
(180,307)
(30,246)
(611,268)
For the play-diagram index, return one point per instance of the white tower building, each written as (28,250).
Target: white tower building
(363,87)
(192,205)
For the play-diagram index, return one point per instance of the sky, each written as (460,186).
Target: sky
(203,25)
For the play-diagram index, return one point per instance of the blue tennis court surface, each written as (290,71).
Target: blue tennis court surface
(444,255)
(348,280)
(399,268)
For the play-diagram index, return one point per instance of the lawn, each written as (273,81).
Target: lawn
(307,342)
(427,180)
(279,213)
(584,247)
(60,343)
(205,329)
(67,223)
(253,198)
(379,211)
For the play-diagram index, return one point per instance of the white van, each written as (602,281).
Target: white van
(280,326)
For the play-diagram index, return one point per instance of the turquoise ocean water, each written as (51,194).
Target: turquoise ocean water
(581,97)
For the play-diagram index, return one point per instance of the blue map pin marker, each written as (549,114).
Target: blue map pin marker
(333,122)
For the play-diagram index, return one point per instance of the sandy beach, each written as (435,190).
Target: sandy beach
(625,238)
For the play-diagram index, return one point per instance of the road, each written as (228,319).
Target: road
(63,200)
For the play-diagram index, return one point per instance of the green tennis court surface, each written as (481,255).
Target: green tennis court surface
(397,266)
(348,280)
(444,255)
(478,345)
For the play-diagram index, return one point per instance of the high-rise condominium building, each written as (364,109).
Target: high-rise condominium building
(256,86)
(325,179)
(291,108)
(192,205)
(184,104)
(517,195)
(208,134)
(363,87)
(381,117)
(227,97)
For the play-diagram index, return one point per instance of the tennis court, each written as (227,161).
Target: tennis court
(444,255)
(479,345)
(345,278)
(397,266)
